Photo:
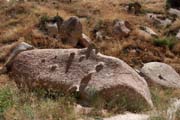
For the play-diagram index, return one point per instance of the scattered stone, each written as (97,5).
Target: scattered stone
(159,20)
(100,35)
(174,12)
(50,25)
(121,28)
(149,30)
(84,41)
(52,29)
(162,74)
(71,31)
(129,116)
(116,77)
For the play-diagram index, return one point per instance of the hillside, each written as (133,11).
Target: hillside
(24,22)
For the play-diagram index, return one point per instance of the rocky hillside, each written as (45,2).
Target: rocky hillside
(89,59)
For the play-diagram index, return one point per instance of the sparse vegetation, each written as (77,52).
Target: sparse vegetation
(166,41)
(20,20)
(157,118)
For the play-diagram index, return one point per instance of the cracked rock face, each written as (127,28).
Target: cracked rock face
(69,70)
(162,74)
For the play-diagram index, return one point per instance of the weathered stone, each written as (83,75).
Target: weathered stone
(104,76)
(129,116)
(149,31)
(174,12)
(134,8)
(121,28)
(159,20)
(84,41)
(71,31)
(52,29)
(162,74)
(178,35)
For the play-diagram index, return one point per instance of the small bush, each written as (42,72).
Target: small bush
(167,41)
(6,99)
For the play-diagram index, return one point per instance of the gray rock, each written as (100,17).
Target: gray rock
(121,28)
(159,20)
(71,31)
(162,74)
(98,75)
(174,12)
(16,49)
(129,116)
(178,35)
(149,31)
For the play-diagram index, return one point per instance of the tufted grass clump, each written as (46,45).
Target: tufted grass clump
(6,99)
(166,41)
(27,105)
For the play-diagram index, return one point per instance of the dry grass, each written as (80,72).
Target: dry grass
(21,23)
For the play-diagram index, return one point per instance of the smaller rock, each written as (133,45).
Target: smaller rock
(100,35)
(129,116)
(149,30)
(71,31)
(174,12)
(17,48)
(121,28)
(178,35)
(159,20)
(52,29)
(162,74)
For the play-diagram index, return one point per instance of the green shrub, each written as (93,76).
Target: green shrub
(6,99)
(167,41)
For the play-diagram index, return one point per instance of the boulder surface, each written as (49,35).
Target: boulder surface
(83,70)
(162,74)
(129,116)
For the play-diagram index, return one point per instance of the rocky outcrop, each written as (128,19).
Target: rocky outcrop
(162,74)
(81,70)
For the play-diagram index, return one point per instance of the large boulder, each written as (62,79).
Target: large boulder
(91,74)
(162,74)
